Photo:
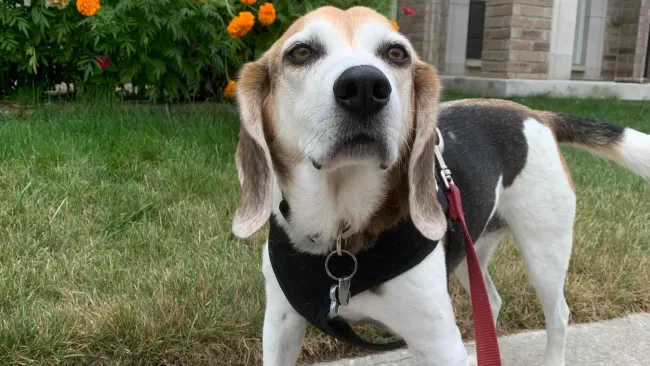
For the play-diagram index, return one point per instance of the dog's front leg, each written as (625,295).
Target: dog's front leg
(417,307)
(284,328)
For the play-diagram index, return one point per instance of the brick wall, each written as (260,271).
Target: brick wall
(517,33)
(629,12)
(610,43)
(427,29)
(642,39)
(626,38)
(517,38)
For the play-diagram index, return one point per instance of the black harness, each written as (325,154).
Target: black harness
(307,286)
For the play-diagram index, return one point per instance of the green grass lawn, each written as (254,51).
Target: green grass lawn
(115,243)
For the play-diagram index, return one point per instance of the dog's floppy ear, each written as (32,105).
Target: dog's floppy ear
(426,212)
(252,158)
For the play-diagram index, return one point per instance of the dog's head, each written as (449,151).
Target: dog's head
(340,89)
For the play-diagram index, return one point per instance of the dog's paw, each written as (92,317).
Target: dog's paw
(471,360)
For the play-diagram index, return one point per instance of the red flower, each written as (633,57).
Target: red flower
(103,61)
(408,11)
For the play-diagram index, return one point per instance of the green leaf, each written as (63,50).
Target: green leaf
(127,73)
(158,67)
(23,26)
(47,12)
(36,15)
(175,53)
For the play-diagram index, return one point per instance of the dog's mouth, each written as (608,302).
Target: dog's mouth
(353,149)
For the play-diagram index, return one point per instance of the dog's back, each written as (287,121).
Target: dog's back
(505,158)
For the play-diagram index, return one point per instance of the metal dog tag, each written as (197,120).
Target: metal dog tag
(334,302)
(344,291)
(340,292)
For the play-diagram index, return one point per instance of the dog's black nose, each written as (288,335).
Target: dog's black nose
(362,90)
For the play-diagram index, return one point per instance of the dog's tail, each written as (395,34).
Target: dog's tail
(623,145)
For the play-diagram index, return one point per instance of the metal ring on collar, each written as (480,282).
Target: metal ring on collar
(327,260)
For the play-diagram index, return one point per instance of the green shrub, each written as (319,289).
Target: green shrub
(168,49)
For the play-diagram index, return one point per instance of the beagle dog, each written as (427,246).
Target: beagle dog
(339,118)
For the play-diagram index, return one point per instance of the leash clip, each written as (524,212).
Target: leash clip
(445,173)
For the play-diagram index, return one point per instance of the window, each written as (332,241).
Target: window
(647,60)
(475,29)
(582,25)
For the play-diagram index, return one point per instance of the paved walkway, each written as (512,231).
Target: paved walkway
(618,342)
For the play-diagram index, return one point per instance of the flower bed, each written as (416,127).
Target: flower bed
(168,49)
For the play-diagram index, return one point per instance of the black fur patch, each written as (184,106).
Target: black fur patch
(586,131)
(481,143)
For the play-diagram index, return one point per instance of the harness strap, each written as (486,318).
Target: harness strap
(306,285)
(344,332)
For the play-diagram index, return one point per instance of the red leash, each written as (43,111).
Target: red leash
(485,332)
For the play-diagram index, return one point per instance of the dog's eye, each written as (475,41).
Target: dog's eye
(396,53)
(301,53)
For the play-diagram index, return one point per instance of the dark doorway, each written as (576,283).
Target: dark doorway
(475,29)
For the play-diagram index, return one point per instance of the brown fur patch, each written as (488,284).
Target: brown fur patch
(253,158)
(547,118)
(426,212)
(502,103)
(348,21)
(284,161)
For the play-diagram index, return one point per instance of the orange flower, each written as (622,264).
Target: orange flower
(266,15)
(395,25)
(241,24)
(88,7)
(229,90)
(248,2)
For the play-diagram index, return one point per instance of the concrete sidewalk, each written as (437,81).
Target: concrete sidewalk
(617,342)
